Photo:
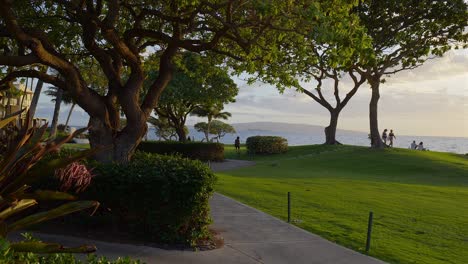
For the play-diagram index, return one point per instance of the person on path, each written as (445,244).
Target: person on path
(384,136)
(391,137)
(413,145)
(237,145)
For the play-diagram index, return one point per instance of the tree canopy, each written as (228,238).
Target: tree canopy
(196,83)
(118,36)
(404,35)
(217,128)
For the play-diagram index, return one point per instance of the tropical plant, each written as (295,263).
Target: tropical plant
(18,170)
(10,256)
(211,112)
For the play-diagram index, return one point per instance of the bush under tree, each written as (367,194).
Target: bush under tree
(266,145)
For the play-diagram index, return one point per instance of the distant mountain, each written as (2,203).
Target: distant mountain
(264,127)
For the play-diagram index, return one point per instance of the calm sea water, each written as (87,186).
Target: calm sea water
(445,144)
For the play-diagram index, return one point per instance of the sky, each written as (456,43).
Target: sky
(431,100)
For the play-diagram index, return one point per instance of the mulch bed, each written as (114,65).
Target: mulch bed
(109,234)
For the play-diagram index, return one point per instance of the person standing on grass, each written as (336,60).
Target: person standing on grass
(237,145)
(391,137)
(384,136)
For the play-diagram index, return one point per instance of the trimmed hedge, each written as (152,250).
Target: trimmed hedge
(192,150)
(162,199)
(266,145)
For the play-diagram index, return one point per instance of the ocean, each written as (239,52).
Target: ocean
(316,136)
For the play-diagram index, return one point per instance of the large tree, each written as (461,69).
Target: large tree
(217,128)
(406,33)
(196,83)
(315,61)
(117,36)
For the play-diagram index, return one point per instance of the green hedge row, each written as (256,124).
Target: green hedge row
(266,145)
(163,199)
(192,150)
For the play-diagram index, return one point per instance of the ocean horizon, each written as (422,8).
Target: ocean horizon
(311,135)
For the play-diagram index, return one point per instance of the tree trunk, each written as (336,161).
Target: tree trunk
(58,102)
(376,140)
(330,130)
(181,133)
(119,146)
(69,114)
(208,127)
(35,99)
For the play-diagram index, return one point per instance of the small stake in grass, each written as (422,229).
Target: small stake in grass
(369,231)
(289,207)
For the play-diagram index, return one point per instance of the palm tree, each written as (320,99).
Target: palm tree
(64,97)
(211,112)
(57,98)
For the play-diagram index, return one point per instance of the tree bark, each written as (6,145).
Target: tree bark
(58,102)
(376,140)
(119,146)
(181,133)
(35,99)
(69,114)
(330,130)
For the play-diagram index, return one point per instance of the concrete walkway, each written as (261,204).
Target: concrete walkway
(230,164)
(250,236)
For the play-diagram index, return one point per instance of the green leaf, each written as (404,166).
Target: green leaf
(47,248)
(16,208)
(51,214)
(47,195)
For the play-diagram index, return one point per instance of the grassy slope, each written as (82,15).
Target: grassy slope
(419,199)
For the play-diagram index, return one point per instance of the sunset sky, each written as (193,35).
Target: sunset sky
(431,100)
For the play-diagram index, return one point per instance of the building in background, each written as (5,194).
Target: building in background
(16,99)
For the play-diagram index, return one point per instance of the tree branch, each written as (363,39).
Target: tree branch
(19,61)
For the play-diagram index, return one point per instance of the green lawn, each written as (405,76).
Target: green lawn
(419,199)
(76,146)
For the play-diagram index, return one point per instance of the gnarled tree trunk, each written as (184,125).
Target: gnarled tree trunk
(376,140)
(119,145)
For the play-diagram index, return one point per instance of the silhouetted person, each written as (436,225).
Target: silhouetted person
(421,146)
(391,137)
(384,136)
(188,139)
(237,145)
(413,145)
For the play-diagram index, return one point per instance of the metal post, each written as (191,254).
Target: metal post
(289,207)
(369,231)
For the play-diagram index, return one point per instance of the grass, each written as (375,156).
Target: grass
(76,146)
(419,199)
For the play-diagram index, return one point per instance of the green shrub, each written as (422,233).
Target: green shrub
(266,145)
(160,198)
(192,150)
